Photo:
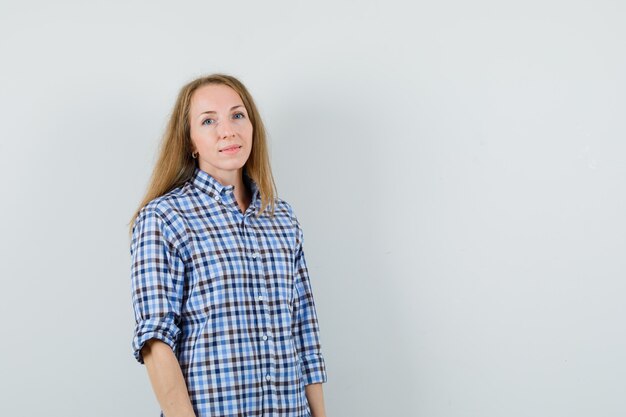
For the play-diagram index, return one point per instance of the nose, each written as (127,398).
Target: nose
(225,129)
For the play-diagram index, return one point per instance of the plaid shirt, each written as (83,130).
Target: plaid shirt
(230,294)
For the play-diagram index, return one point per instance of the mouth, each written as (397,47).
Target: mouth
(230,148)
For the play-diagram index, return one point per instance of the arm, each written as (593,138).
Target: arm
(167,379)
(157,281)
(315,397)
(306,331)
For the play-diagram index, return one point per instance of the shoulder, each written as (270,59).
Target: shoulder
(289,214)
(167,213)
(164,206)
(285,209)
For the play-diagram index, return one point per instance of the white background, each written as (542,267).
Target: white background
(458,169)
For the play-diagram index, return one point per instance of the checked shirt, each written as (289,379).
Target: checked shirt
(230,294)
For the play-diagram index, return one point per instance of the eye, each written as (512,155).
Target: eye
(204,122)
(239,114)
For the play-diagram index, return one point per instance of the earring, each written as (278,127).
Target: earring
(194,155)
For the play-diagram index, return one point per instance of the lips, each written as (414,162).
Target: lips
(230,147)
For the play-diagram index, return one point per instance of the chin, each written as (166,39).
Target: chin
(233,165)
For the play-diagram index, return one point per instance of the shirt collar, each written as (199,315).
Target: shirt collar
(210,185)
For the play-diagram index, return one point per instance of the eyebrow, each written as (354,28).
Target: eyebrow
(212,111)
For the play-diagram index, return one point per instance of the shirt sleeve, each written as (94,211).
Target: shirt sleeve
(157,278)
(305,326)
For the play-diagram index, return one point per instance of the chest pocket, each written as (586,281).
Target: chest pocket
(222,277)
(278,271)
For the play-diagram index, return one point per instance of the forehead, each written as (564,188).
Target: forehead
(214,97)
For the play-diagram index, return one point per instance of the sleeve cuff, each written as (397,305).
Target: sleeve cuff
(313,369)
(161,328)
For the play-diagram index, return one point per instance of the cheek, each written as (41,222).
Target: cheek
(202,138)
(195,138)
(249,131)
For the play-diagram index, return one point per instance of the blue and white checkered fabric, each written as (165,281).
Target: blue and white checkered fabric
(230,294)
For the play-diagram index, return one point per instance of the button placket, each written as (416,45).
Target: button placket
(262,311)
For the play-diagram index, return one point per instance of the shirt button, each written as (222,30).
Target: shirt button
(264,337)
(254,255)
(217,198)
(260,298)
(268,377)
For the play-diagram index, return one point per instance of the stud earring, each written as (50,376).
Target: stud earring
(194,155)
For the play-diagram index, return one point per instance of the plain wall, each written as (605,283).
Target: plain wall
(458,169)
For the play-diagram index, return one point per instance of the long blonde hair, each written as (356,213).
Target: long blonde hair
(175,164)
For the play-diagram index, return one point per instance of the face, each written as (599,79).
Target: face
(219,122)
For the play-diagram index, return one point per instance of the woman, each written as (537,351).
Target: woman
(225,317)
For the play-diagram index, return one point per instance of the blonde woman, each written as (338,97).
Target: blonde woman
(225,317)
